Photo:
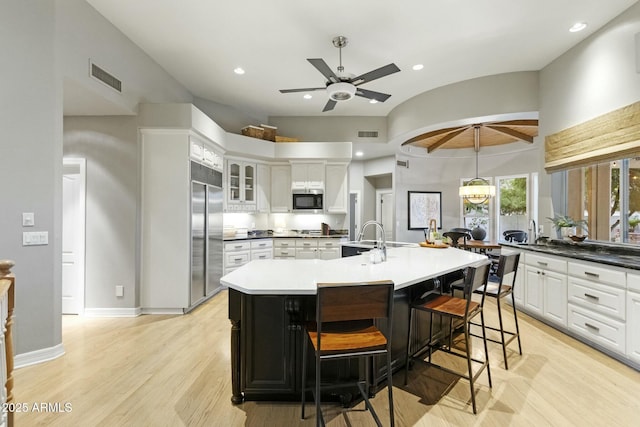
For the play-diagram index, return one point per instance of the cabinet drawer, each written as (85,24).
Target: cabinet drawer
(329,243)
(547,263)
(597,328)
(604,299)
(284,252)
(262,254)
(633,282)
(284,243)
(261,244)
(240,245)
(236,259)
(598,274)
(307,243)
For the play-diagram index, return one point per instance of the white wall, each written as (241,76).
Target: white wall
(595,77)
(443,174)
(31,167)
(110,145)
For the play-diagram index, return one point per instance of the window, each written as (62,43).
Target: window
(513,203)
(476,215)
(607,197)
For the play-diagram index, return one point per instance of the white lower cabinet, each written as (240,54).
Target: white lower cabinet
(307,248)
(239,252)
(284,248)
(633,317)
(600,329)
(546,287)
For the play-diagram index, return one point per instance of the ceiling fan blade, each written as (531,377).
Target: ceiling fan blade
(375,74)
(329,105)
(324,69)
(307,89)
(370,94)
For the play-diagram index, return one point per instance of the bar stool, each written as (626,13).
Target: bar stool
(459,309)
(507,264)
(457,235)
(346,327)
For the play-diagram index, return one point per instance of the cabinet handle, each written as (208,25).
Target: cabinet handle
(237,259)
(285,253)
(588,273)
(262,256)
(543,263)
(590,326)
(592,296)
(262,244)
(238,246)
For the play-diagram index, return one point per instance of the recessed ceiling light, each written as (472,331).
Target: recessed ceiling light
(307,96)
(373,101)
(578,26)
(418,67)
(238,70)
(359,153)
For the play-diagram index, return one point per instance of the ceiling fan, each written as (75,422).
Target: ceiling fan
(343,86)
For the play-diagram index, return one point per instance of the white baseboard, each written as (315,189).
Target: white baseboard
(162,311)
(38,356)
(112,312)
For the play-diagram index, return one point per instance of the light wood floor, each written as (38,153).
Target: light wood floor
(175,371)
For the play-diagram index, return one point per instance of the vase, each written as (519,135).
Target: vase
(565,232)
(478,233)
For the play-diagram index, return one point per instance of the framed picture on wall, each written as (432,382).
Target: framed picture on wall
(424,206)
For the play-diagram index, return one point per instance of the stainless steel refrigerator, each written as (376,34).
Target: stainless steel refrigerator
(206,233)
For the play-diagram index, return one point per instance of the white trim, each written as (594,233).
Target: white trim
(112,312)
(162,311)
(38,356)
(357,214)
(82,220)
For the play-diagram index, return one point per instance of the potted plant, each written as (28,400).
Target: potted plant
(633,222)
(566,226)
(478,225)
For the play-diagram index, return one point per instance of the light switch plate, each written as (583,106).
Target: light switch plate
(28,219)
(35,238)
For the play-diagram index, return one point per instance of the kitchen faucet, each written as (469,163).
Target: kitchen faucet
(533,231)
(384,240)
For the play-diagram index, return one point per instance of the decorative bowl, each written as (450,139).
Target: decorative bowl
(577,238)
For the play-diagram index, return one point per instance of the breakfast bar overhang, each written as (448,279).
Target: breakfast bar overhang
(269,300)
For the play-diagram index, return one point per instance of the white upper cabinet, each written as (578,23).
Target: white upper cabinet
(241,186)
(205,154)
(307,176)
(281,188)
(263,188)
(336,196)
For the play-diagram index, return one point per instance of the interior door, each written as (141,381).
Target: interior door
(73,236)
(386,208)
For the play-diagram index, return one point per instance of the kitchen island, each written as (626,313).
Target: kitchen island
(270,299)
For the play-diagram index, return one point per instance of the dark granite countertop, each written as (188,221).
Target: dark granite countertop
(627,256)
(269,234)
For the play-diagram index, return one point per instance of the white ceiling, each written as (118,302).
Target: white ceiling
(200,42)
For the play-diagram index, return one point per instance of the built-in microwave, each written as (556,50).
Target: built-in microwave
(307,202)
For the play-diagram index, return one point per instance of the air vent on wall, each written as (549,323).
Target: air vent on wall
(367,134)
(104,77)
(403,163)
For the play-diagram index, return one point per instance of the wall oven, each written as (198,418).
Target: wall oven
(307,202)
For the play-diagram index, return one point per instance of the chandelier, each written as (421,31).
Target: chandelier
(477,190)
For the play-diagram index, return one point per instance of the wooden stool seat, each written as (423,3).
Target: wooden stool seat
(367,339)
(448,305)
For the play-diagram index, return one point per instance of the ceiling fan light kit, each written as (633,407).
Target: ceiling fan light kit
(341,91)
(342,86)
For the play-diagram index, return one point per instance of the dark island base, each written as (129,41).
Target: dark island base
(266,344)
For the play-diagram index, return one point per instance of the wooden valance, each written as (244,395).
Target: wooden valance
(612,136)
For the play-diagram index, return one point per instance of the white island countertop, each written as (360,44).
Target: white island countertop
(405,266)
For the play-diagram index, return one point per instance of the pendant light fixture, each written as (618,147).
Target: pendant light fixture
(477,190)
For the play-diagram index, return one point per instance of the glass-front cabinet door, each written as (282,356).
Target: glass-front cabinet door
(249,183)
(241,186)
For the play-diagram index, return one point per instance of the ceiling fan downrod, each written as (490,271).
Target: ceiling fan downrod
(340,42)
